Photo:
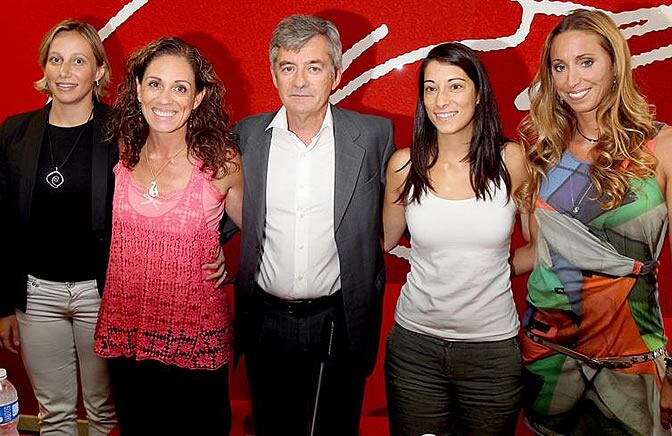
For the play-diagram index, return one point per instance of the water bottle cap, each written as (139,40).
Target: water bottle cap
(3,373)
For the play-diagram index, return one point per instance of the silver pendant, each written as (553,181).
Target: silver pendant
(153,190)
(576,209)
(55,178)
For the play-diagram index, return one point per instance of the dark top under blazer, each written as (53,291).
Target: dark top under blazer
(363,144)
(21,138)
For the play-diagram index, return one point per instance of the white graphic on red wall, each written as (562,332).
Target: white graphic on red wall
(636,22)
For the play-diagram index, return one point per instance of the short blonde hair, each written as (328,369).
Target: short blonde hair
(89,33)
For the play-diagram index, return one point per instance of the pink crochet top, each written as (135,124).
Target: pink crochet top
(156,303)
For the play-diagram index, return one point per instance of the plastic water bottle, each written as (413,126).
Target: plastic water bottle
(9,407)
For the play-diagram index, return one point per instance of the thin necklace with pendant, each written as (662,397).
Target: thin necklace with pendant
(55,178)
(590,140)
(576,207)
(153,190)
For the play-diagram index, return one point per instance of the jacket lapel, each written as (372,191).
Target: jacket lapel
(255,162)
(349,158)
(30,148)
(100,164)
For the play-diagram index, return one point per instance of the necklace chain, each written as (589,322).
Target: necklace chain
(55,178)
(576,207)
(153,190)
(590,140)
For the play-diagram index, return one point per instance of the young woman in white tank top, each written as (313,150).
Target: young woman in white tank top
(452,362)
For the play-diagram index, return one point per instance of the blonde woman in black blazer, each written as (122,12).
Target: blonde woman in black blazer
(55,206)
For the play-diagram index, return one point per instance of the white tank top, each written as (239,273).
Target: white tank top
(459,285)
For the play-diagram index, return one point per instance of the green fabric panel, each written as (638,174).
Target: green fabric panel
(621,237)
(643,302)
(540,287)
(549,369)
(654,341)
(649,195)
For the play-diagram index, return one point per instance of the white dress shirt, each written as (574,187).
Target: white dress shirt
(300,259)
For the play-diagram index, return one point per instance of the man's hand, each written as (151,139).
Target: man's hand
(219,268)
(9,334)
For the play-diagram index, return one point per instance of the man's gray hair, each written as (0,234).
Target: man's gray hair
(293,33)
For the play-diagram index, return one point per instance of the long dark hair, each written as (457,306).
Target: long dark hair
(209,137)
(485,151)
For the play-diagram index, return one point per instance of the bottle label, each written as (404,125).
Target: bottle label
(9,412)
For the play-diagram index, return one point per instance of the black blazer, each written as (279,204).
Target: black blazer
(363,144)
(21,138)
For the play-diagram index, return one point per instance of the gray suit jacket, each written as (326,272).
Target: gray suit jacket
(363,145)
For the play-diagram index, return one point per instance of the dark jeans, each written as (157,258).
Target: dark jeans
(156,399)
(451,387)
(283,369)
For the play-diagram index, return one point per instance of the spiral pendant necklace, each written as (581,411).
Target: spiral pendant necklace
(55,178)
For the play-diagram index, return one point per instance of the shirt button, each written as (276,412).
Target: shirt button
(299,278)
(301,247)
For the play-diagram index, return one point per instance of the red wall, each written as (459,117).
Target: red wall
(234,35)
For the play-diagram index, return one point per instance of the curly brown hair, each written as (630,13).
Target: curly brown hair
(624,118)
(209,136)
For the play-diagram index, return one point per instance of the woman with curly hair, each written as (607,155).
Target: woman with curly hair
(162,326)
(594,344)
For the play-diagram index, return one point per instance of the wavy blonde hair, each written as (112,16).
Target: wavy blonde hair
(625,120)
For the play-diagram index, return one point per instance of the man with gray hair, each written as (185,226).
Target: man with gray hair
(310,286)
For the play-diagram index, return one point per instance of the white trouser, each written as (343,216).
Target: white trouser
(57,331)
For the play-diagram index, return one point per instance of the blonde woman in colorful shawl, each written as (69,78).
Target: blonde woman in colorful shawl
(594,345)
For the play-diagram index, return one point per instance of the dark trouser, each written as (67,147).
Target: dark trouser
(451,387)
(283,368)
(156,399)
